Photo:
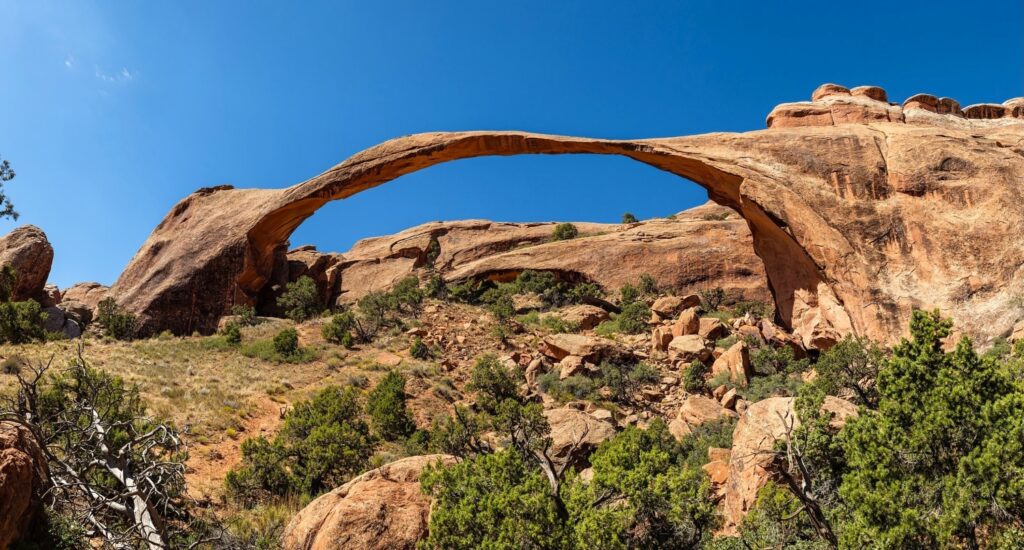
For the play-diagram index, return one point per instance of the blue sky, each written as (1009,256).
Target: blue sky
(110,112)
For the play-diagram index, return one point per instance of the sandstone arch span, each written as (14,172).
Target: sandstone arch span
(854,205)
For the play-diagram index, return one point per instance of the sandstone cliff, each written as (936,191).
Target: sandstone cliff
(861,211)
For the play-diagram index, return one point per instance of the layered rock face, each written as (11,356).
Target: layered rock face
(23,480)
(704,247)
(860,210)
(381,509)
(27,250)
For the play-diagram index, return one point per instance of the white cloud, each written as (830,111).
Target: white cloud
(124,75)
(69,61)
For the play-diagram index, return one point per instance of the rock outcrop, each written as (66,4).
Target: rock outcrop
(704,247)
(88,294)
(381,509)
(27,250)
(861,210)
(762,425)
(23,480)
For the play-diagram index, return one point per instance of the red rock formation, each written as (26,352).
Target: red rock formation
(704,247)
(381,509)
(23,480)
(27,250)
(860,209)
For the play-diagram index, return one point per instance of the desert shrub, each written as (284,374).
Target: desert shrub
(491,501)
(12,364)
(501,306)
(283,348)
(339,329)
(492,382)
(433,251)
(714,433)
(940,461)
(624,380)
(300,300)
(387,408)
(420,351)
(286,342)
(633,318)
(322,443)
(116,323)
(406,295)
(693,378)
(582,291)
(22,322)
(565,232)
(232,333)
(711,298)
(628,294)
(648,286)
(245,315)
(436,288)
(558,325)
(643,495)
(628,217)
(54,531)
(769,359)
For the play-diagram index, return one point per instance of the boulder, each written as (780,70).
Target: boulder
(760,427)
(736,362)
(698,409)
(583,315)
(687,323)
(382,509)
(660,338)
(1017,333)
(589,348)
(575,434)
(23,481)
(570,365)
(78,311)
(29,253)
(50,296)
(88,294)
(712,329)
(669,306)
(688,349)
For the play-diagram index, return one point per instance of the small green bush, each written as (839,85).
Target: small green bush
(286,342)
(624,380)
(648,286)
(339,329)
(116,322)
(565,232)
(232,333)
(245,315)
(693,378)
(492,382)
(711,298)
(300,300)
(322,443)
(406,296)
(436,288)
(628,294)
(633,318)
(387,408)
(628,217)
(419,350)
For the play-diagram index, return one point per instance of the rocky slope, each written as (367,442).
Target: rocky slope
(861,210)
(704,247)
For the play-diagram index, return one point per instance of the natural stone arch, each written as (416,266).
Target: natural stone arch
(846,198)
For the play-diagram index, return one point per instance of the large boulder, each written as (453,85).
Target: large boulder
(382,509)
(88,294)
(23,481)
(861,210)
(575,434)
(590,348)
(27,250)
(762,425)
(697,410)
(736,362)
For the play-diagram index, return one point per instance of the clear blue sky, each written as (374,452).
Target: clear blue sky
(112,111)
